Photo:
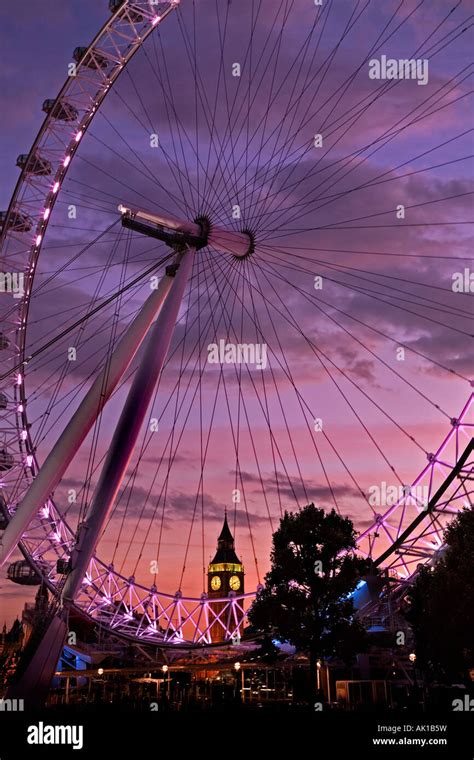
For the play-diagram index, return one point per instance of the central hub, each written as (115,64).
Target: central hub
(197,234)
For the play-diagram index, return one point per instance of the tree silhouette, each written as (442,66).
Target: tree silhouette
(305,600)
(441,606)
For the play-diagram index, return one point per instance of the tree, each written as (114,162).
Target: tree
(305,600)
(441,606)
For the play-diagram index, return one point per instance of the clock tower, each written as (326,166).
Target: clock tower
(225,574)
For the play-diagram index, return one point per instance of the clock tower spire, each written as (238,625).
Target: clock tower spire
(225,575)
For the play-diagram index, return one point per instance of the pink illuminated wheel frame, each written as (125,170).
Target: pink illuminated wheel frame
(210,113)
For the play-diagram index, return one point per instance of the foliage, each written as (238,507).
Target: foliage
(441,606)
(306,597)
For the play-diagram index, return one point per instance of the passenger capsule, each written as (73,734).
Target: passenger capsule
(63,566)
(34,165)
(17,221)
(135,16)
(92,61)
(6,460)
(23,573)
(3,513)
(61,110)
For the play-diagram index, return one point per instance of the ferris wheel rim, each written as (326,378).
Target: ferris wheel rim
(36,250)
(150,21)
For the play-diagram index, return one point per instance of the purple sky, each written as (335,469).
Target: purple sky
(327,212)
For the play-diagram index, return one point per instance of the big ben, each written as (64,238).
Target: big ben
(225,574)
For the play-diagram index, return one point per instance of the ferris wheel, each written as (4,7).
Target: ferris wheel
(229,266)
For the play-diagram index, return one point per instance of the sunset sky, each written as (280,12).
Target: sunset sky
(327,211)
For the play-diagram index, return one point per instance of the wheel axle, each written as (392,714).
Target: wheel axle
(198,234)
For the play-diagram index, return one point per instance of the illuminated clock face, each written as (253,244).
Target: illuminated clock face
(234,583)
(215,583)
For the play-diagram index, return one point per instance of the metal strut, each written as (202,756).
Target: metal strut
(70,440)
(185,238)
(129,425)
(34,682)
